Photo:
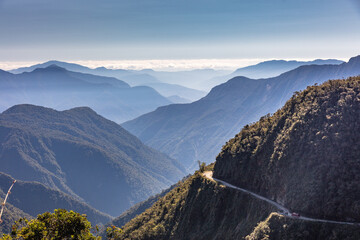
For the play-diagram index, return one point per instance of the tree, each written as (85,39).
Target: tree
(202,166)
(113,232)
(61,224)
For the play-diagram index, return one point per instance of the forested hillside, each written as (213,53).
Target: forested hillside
(305,157)
(82,154)
(309,150)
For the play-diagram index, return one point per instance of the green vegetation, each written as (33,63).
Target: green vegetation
(277,226)
(139,208)
(306,156)
(113,232)
(202,166)
(57,226)
(198,209)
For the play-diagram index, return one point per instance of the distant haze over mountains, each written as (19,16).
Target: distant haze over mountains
(197,131)
(132,77)
(61,89)
(84,155)
(269,69)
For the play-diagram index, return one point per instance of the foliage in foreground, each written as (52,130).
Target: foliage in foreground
(61,224)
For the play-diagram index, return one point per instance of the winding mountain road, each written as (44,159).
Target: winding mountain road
(283,210)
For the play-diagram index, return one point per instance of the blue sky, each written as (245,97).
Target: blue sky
(39,30)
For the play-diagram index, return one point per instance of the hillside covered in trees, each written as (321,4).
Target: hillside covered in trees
(309,150)
(305,157)
(84,155)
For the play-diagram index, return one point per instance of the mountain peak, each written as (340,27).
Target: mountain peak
(51,68)
(26,108)
(82,110)
(354,60)
(101,68)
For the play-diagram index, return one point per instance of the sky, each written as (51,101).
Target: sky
(199,33)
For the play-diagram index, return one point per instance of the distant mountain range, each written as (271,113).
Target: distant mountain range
(61,89)
(82,154)
(196,131)
(132,77)
(267,69)
(196,79)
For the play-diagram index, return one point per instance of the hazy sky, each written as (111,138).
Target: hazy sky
(74,30)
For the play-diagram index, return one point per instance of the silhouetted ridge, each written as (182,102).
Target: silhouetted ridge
(28,109)
(51,68)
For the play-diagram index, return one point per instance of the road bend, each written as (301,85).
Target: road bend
(283,210)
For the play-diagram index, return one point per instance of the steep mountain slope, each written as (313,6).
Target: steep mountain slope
(139,208)
(35,198)
(269,69)
(82,154)
(134,78)
(58,88)
(196,131)
(10,215)
(305,156)
(308,150)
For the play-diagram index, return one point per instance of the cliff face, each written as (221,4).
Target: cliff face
(306,156)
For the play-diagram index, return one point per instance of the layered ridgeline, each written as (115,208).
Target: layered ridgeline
(269,69)
(82,154)
(196,131)
(305,156)
(61,89)
(34,198)
(134,78)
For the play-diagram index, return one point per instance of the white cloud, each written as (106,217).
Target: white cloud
(155,64)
